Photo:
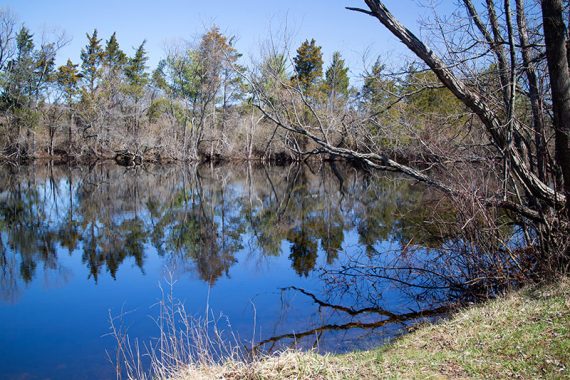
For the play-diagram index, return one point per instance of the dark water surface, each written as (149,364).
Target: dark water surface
(327,254)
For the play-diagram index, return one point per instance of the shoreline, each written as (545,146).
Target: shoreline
(524,334)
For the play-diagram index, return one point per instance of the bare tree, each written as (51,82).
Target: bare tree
(7,36)
(494,66)
(558,68)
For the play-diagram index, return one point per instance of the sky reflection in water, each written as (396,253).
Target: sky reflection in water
(78,244)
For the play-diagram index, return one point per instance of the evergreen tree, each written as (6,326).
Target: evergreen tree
(336,77)
(19,86)
(308,65)
(45,66)
(273,71)
(136,79)
(27,76)
(91,58)
(111,82)
(135,71)
(27,73)
(24,43)
(114,57)
(377,91)
(380,100)
(68,78)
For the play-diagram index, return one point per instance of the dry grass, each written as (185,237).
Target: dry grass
(287,365)
(524,335)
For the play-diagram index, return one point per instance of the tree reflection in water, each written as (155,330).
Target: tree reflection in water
(201,217)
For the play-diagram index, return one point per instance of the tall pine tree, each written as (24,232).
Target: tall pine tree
(136,80)
(308,65)
(91,58)
(68,78)
(19,83)
(113,56)
(336,77)
(135,70)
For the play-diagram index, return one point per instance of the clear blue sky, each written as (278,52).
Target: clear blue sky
(159,22)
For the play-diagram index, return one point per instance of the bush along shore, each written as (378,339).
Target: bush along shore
(525,335)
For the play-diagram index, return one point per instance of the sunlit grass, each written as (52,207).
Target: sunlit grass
(522,335)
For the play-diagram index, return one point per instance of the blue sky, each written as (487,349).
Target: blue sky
(162,22)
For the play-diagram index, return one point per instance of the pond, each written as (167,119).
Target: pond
(320,256)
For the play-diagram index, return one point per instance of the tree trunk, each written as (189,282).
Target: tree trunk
(556,55)
(184,141)
(471,99)
(51,141)
(534,93)
(70,133)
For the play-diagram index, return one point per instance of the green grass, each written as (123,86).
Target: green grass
(524,335)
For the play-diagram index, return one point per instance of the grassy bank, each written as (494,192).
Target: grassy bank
(523,335)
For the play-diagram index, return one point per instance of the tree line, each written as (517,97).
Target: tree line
(197,104)
(481,114)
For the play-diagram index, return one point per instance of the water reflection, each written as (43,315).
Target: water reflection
(200,214)
(322,250)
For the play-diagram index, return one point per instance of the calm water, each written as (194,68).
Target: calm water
(340,259)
